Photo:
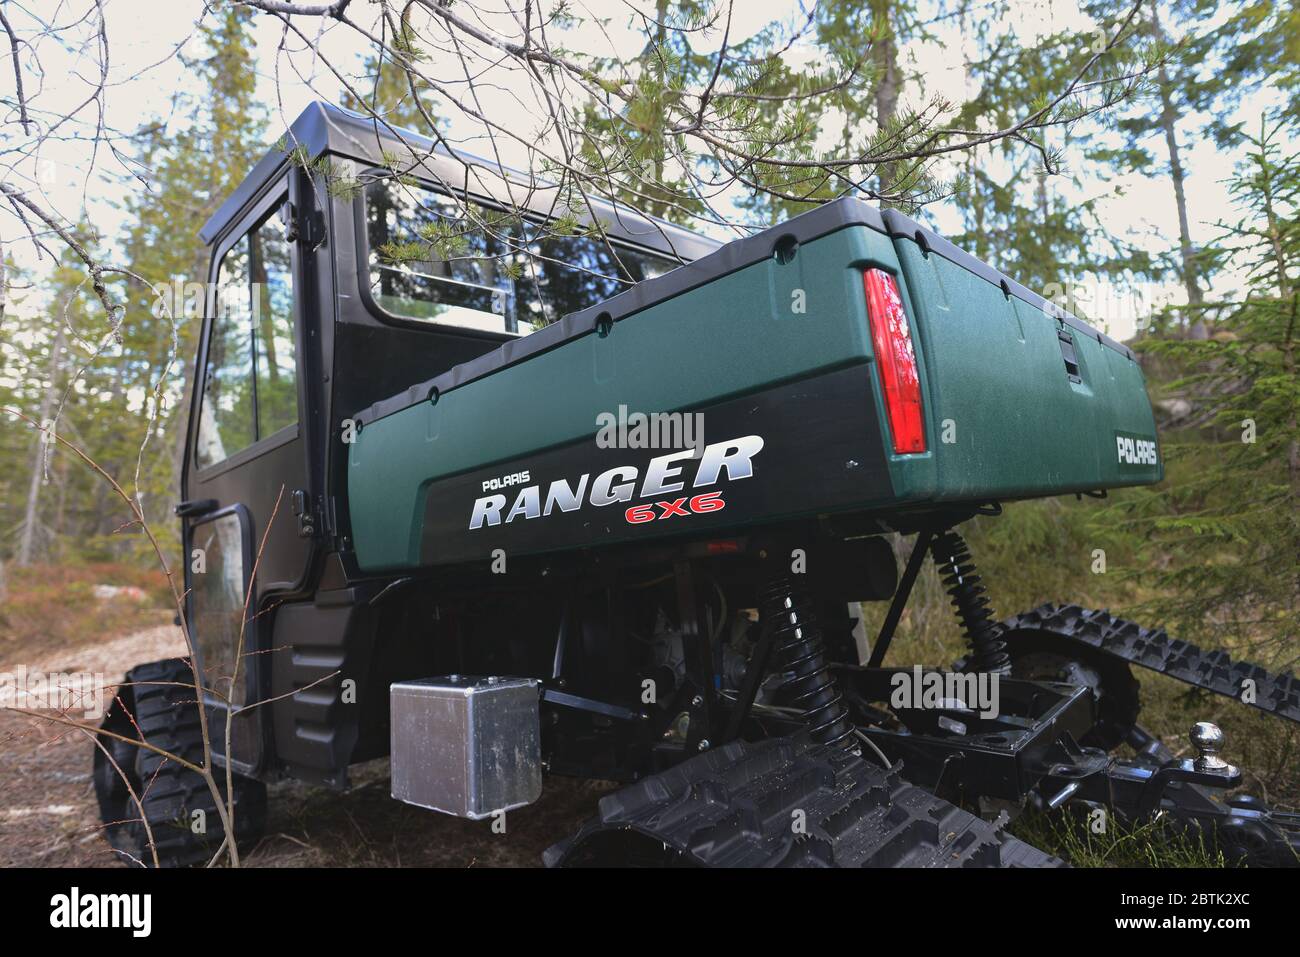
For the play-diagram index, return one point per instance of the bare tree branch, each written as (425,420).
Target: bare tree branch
(18,73)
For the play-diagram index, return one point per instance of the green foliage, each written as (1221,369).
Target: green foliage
(1025,210)
(121,392)
(1150,844)
(1225,529)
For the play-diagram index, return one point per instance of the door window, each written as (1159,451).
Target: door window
(250,387)
(217,596)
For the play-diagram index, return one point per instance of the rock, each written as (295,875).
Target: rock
(123,592)
(1174,409)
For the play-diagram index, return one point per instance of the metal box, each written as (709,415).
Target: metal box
(468,746)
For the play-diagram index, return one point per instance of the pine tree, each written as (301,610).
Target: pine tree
(1211,63)
(1230,515)
(1023,206)
(193,170)
(117,387)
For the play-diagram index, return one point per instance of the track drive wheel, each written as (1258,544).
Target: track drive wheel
(1044,655)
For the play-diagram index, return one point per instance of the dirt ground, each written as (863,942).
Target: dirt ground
(48,816)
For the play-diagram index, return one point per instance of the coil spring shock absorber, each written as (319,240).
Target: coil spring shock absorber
(801,656)
(983,632)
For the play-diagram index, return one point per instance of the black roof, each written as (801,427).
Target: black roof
(323,128)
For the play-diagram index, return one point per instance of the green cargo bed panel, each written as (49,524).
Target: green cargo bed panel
(1005,416)
(1020,400)
(744,331)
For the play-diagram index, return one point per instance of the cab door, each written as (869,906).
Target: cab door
(246,468)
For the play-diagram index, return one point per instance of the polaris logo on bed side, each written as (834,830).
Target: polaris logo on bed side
(663,474)
(506,481)
(1135,450)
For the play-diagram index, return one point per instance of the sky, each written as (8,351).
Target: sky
(70,178)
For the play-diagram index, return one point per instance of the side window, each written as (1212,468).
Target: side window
(568,273)
(499,274)
(272,297)
(226,414)
(468,288)
(250,387)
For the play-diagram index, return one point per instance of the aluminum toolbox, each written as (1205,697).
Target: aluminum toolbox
(467,746)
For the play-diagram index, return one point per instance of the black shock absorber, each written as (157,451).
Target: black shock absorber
(801,656)
(983,632)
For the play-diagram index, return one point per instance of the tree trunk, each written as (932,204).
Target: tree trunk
(884,55)
(31,514)
(661,37)
(1285,294)
(1168,123)
(60,508)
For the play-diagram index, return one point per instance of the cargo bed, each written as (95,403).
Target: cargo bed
(1019,399)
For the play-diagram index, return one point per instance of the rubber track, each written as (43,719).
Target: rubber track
(168,718)
(1152,648)
(737,807)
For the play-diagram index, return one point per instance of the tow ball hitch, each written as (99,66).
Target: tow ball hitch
(1206,769)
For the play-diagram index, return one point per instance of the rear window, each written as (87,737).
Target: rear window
(492,272)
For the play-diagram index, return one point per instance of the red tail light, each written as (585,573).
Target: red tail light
(897,361)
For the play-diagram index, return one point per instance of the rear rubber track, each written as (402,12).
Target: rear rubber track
(786,802)
(1152,648)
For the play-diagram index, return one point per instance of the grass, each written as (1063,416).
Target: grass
(1034,552)
(1072,836)
(1046,551)
(53,607)
(1267,749)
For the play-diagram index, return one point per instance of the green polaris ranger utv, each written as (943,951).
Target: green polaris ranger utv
(606,502)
